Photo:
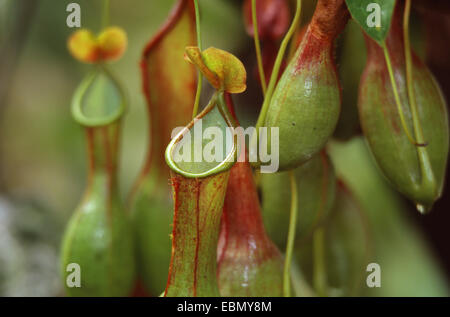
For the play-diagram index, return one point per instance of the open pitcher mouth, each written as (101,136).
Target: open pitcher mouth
(99,100)
(193,164)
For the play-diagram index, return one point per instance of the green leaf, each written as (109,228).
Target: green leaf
(374,16)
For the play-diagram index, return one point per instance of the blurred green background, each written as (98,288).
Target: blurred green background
(42,150)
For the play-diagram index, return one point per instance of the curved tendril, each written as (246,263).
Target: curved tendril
(199,76)
(277,65)
(291,236)
(262,75)
(397,98)
(223,108)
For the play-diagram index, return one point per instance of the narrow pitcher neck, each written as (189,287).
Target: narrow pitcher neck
(102,150)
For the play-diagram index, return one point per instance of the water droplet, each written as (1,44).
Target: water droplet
(423,209)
